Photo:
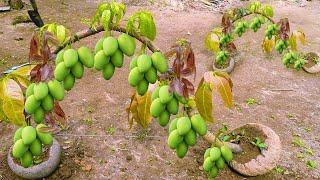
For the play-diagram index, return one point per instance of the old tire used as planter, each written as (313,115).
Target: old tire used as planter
(268,158)
(41,170)
(228,69)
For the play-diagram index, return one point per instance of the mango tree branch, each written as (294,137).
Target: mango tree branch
(251,13)
(91,31)
(212,139)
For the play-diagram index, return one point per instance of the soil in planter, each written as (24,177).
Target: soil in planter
(244,136)
(223,66)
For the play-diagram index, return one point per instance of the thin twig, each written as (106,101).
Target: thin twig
(251,13)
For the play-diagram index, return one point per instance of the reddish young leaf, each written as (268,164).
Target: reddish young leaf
(47,72)
(188,85)
(284,28)
(35,73)
(176,86)
(226,23)
(58,110)
(34,48)
(231,47)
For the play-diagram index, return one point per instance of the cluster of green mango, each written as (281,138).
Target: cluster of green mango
(40,98)
(225,39)
(143,70)
(293,58)
(222,57)
(281,45)
(110,53)
(183,133)
(271,30)
(164,103)
(257,22)
(28,143)
(70,65)
(241,28)
(215,158)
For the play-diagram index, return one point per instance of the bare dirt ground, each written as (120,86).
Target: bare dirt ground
(96,107)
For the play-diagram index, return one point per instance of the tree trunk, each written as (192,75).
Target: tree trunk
(16,4)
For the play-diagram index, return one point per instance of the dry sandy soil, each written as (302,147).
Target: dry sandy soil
(96,106)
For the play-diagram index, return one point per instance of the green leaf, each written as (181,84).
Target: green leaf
(143,23)
(22,75)
(203,98)
(12,101)
(212,42)
(268,44)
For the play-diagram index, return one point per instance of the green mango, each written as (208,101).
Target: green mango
(31,104)
(28,135)
(144,63)
(173,106)
(155,93)
(198,124)
(29,90)
(174,139)
(19,148)
(226,153)
(45,138)
(164,94)
(77,70)
(17,134)
(38,115)
(59,57)
(183,125)
(133,63)
(99,46)
(151,75)
(61,71)
(173,125)
(207,153)
(135,77)
(36,147)
(164,118)
(70,58)
(100,60)
(159,62)
(108,71)
(56,90)
(47,103)
(182,149)
(215,154)
(156,108)
(142,87)
(220,163)
(214,172)
(191,138)
(86,57)
(68,82)
(207,164)
(40,91)
(117,59)
(181,99)
(26,160)
(127,44)
(110,46)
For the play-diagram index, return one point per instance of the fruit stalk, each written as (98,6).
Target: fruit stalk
(211,138)
(91,31)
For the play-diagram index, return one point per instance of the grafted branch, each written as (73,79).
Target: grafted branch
(91,31)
